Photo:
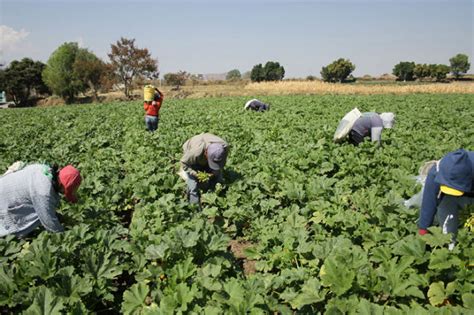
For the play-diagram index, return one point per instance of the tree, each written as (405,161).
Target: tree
(337,71)
(59,74)
(421,71)
(129,62)
(21,78)
(404,71)
(273,71)
(90,70)
(233,75)
(439,72)
(459,65)
(257,74)
(177,79)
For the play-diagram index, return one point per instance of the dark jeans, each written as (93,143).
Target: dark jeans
(355,138)
(151,122)
(194,186)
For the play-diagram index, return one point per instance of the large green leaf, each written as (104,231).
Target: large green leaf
(134,298)
(45,303)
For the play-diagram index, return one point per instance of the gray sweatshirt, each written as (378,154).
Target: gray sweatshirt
(194,158)
(369,124)
(28,199)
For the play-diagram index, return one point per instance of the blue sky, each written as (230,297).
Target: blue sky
(217,36)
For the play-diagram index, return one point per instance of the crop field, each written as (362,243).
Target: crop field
(300,226)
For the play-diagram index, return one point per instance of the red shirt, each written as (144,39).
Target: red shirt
(153,108)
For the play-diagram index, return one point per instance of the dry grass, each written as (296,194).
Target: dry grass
(317,87)
(285,88)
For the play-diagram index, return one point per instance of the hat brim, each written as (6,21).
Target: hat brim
(451,191)
(214,165)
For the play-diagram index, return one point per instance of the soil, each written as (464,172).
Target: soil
(237,248)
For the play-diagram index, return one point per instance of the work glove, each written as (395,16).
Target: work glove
(422,231)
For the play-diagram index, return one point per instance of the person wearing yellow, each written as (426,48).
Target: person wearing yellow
(449,187)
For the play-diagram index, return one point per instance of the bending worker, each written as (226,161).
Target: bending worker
(256,105)
(203,153)
(449,187)
(29,197)
(152,110)
(370,125)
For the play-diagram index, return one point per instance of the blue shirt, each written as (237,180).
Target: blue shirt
(432,197)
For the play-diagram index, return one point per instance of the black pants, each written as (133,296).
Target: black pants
(355,138)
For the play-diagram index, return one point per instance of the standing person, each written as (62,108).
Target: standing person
(29,197)
(370,125)
(152,111)
(449,187)
(256,105)
(203,153)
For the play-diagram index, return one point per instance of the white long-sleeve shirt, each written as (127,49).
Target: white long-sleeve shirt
(28,199)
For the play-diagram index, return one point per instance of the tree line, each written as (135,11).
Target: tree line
(71,70)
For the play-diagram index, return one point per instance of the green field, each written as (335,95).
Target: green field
(320,226)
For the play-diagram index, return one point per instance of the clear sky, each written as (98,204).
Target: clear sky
(217,36)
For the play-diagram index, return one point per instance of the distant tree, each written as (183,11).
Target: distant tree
(421,71)
(257,74)
(273,71)
(90,70)
(233,75)
(21,79)
(310,78)
(404,71)
(196,78)
(459,65)
(246,75)
(439,72)
(338,71)
(129,62)
(178,79)
(59,73)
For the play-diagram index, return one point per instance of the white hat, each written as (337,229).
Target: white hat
(387,119)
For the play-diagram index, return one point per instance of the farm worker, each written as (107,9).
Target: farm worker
(152,110)
(449,187)
(29,197)
(256,105)
(203,153)
(370,125)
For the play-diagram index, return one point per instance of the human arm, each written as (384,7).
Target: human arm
(190,157)
(429,202)
(45,207)
(376,134)
(159,92)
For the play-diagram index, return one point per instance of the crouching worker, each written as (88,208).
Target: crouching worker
(449,187)
(256,105)
(152,108)
(370,125)
(29,197)
(202,163)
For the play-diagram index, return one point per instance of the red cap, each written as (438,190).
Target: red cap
(70,178)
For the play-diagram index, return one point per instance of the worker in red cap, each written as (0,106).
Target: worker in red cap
(206,153)
(30,195)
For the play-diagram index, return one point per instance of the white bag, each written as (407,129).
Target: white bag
(18,165)
(416,200)
(345,125)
